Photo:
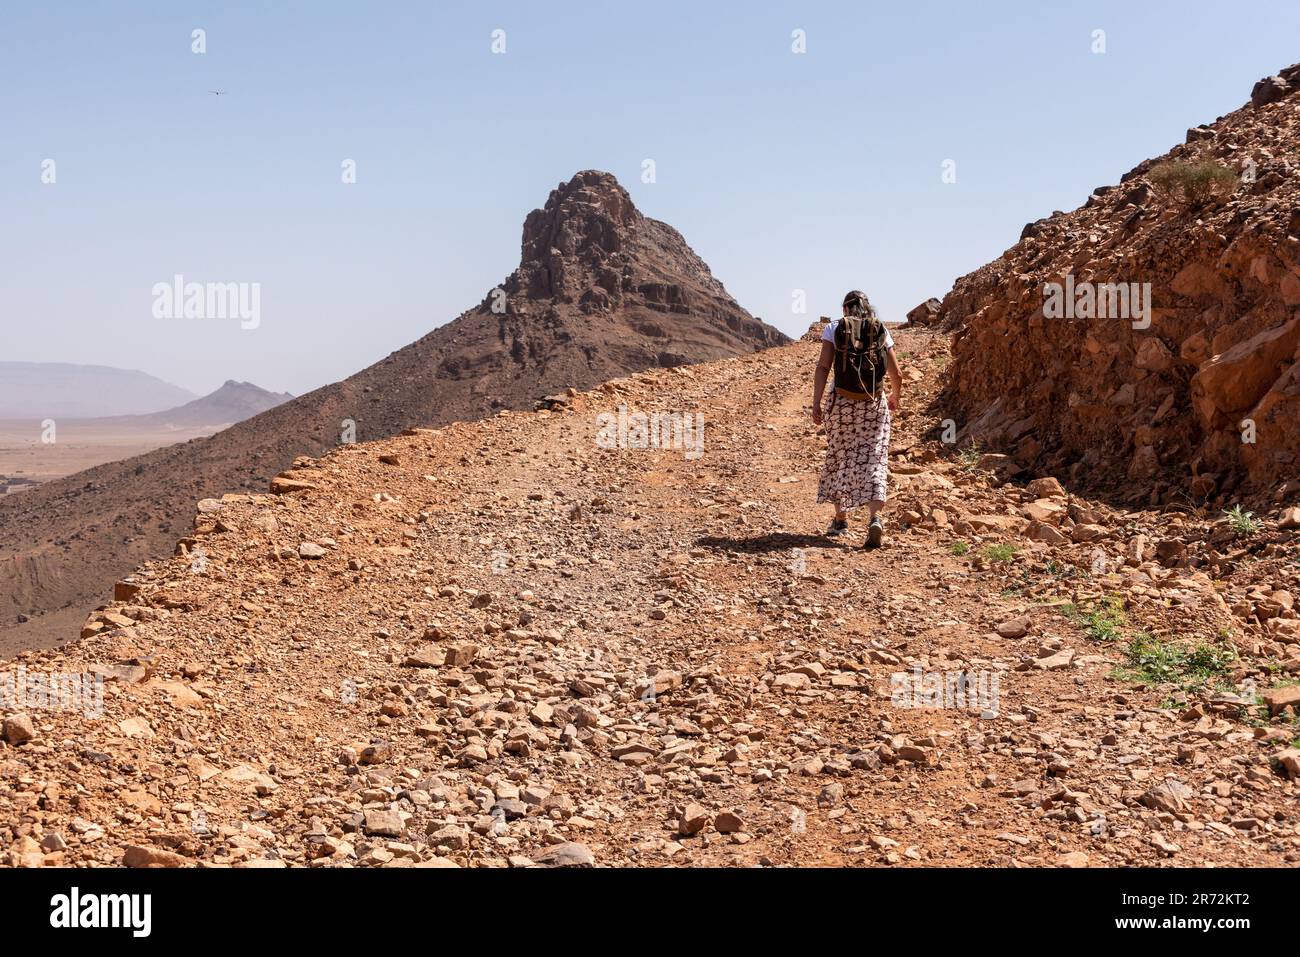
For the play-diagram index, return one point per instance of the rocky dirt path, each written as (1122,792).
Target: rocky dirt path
(501,644)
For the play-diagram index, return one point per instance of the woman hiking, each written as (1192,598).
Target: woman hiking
(860,350)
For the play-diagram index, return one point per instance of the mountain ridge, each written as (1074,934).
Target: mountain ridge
(600,291)
(229,403)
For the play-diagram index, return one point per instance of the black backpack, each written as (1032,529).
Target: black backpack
(859,356)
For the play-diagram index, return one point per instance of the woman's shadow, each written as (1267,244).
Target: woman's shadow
(771,542)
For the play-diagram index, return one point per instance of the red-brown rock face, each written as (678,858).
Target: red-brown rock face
(1192,384)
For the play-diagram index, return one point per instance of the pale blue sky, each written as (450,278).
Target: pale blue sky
(819,171)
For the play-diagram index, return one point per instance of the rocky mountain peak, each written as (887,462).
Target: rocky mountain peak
(588,213)
(590,247)
(579,240)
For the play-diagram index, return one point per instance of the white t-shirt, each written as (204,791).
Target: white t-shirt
(828,334)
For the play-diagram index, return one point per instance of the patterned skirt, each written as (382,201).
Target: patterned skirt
(857,451)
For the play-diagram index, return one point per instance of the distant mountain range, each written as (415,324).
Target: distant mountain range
(54,390)
(123,399)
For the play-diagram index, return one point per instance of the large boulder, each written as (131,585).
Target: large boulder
(1269,90)
(927,313)
(1237,379)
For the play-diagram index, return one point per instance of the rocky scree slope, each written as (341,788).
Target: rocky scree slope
(1155,413)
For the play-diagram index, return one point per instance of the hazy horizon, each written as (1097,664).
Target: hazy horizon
(784,171)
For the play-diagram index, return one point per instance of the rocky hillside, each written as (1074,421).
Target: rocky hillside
(233,402)
(503,644)
(1199,399)
(601,290)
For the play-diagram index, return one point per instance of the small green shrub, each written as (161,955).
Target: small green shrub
(970,456)
(999,552)
(1103,621)
(1195,181)
(1243,523)
(1153,661)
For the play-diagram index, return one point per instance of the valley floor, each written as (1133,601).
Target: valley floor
(79,444)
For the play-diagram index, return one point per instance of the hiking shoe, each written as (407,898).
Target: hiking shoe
(875,533)
(838,527)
